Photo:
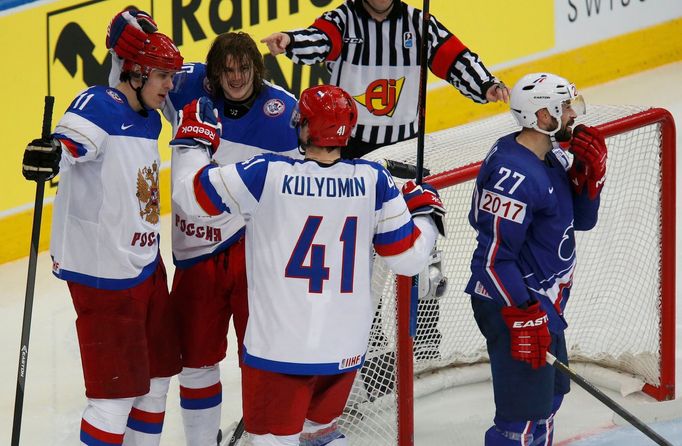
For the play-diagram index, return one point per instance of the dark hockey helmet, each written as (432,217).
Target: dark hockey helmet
(159,53)
(330,113)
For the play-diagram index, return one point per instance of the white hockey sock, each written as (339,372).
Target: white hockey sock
(104,421)
(317,434)
(274,440)
(146,417)
(201,395)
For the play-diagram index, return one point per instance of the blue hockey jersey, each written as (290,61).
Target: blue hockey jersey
(265,128)
(525,213)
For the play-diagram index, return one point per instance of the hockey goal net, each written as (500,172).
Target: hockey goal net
(621,313)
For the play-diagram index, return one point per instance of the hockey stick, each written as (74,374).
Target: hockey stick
(402,170)
(423,74)
(611,404)
(30,285)
(237,433)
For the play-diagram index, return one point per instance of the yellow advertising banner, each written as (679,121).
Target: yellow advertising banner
(58,48)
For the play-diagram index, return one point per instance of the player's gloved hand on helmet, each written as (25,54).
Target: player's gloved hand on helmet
(41,159)
(589,165)
(199,123)
(127,32)
(530,338)
(423,199)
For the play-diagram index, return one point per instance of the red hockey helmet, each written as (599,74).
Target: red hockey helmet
(159,53)
(330,113)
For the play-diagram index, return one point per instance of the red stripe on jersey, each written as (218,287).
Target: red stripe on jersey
(399,246)
(335,39)
(71,147)
(204,392)
(526,433)
(446,55)
(560,295)
(496,278)
(147,417)
(106,437)
(201,195)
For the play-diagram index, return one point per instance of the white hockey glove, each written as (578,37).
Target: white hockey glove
(432,283)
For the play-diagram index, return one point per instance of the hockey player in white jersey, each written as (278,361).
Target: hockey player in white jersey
(310,228)
(371,49)
(209,284)
(105,245)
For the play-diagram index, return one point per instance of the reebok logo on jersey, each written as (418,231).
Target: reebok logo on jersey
(126,127)
(381,96)
(197,130)
(534,323)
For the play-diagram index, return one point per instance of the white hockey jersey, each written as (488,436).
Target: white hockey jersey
(264,128)
(310,229)
(105,224)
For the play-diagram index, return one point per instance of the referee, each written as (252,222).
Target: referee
(372,50)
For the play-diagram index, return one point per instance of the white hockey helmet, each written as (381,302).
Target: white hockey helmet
(536,91)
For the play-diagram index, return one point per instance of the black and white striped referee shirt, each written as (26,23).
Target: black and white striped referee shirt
(378,64)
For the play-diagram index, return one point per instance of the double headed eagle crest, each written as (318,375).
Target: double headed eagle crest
(148,193)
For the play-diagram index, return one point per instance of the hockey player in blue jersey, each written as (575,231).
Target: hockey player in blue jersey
(528,201)
(209,285)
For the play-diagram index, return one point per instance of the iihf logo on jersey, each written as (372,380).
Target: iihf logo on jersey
(408,40)
(350,362)
(148,193)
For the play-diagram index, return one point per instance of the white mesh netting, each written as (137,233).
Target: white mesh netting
(614,310)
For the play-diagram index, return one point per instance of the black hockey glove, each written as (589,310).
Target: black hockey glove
(41,159)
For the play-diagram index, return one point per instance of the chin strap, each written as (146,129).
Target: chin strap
(138,94)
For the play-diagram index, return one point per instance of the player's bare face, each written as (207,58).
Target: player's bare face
(237,79)
(156,89)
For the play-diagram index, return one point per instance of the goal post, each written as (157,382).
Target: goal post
(665,390)
(621,314)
